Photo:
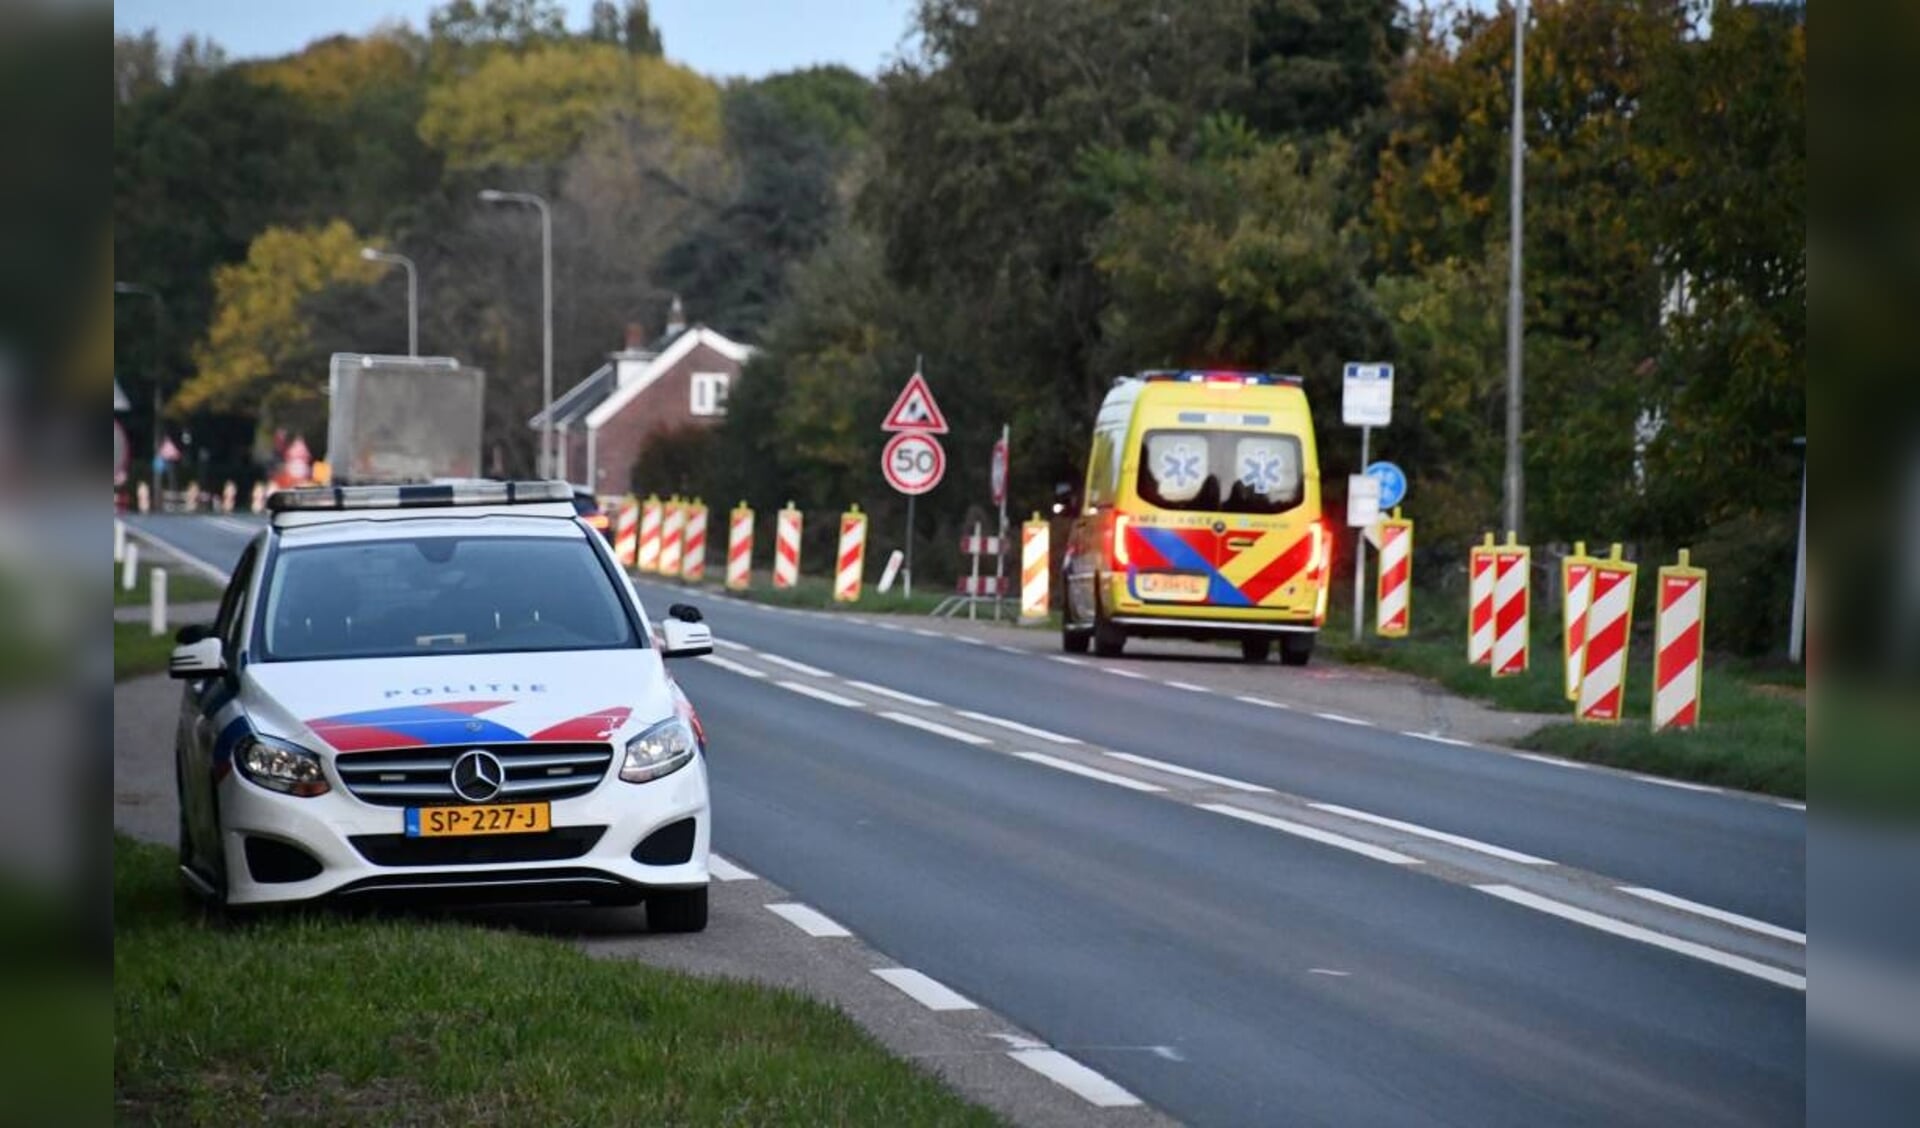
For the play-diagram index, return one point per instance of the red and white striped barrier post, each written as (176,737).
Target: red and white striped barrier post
(650,517)
(1512,607)
(626,532)
(228,492)
(1576,592)
(693,543)
(258,502)
(1603,666)
(1393,602)
(786,547)
(673,525)
(1035,568)
(1480,603)
(740,548)
(852,558)
(1679,656)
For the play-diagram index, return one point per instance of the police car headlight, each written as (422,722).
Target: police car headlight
(279,766)
(661,750)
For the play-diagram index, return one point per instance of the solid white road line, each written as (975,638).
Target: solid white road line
(1344,719)
(1438,739)
(1437,835)
(1009,650)
(731,666)
(1264,703)
(1554,760)
(809,920)
(796,667)
(1077,1079)
(928,992)
(729,644)
(1016,726)
(968,641)
(893,693)
(805,690)
(1190,773)
(1064,658)
(885,626)
(1711,913)
(1647,936)
(925,633)
(1790,804)
(186,557)
(1120,673)
(1188,686)
(1681,784)
(937,728)
(1090,773)
(1314,834)
(724,870)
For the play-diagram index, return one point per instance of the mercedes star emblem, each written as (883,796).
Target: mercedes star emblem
(478,776)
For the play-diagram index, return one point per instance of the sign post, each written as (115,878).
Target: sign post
(999,483)
(1366,402)
(913,460)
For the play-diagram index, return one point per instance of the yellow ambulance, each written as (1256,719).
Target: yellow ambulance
(1200,517)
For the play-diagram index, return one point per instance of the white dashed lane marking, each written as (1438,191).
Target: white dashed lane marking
(796,667)
(1646,936)
(807,919)
(731,666)
(936,728)
(1680,784)
(1461,841)
(820,694)
(1554,760)
(1438,739)
(1190,773)
(724,870)
(928,992)
(1264,703)
(1711,913)
(1342,718)
(1009,650)
(1069,1074)
(1314,834)
(1188,686)
(1016,726)
(729,644)
(1091,773)
(1120,673)
(897,695)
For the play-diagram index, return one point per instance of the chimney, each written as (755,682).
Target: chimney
(676,319)
(636,336)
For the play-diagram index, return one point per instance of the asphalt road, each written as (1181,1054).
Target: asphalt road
(1247,913)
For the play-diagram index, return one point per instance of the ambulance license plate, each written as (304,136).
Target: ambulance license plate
(1179,587)
(494,818)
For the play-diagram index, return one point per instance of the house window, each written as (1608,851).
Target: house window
(710,393)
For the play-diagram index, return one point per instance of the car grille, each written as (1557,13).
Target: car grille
(555,845)
(412,777)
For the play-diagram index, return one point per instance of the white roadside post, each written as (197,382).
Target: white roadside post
(130,567)
(119,540)
(157,587)
(1366,402)
(890,571)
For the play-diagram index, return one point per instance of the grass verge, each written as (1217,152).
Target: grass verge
(1753,731)
(183,586)
(137,652)
(324,1019)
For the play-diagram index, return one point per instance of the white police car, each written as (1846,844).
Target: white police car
(440,691)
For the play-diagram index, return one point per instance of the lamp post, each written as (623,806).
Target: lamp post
(413,293)
(1516,470)
(135,289)
(495,196)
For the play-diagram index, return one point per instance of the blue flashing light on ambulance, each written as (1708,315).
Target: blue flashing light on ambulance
(1200,517)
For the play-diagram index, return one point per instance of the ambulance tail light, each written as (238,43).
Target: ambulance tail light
(1317,560)
(1117,539)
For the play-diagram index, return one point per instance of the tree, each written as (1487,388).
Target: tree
(640,34)
(539,106)
(258,354)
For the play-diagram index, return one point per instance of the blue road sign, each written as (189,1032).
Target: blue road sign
(1393,483)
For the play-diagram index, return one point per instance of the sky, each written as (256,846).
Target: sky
(722,38)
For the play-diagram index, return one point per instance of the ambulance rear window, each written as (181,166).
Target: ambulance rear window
(1221,471)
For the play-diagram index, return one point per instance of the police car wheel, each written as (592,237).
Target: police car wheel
(1256,649)
(678,910)
(1296,649)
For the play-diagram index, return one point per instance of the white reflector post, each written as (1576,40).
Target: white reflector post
(157,588)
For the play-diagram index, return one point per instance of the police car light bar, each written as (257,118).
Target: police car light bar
(1219,376)
(418,496)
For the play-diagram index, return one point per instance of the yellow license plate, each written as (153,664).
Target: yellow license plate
(1179,586)
(494,818)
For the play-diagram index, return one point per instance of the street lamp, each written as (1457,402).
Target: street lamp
(413,293)
(1516,469)
(495,196)
(135,289)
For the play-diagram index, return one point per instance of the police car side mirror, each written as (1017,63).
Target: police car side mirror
(686,613)
(681,639)
(201,658)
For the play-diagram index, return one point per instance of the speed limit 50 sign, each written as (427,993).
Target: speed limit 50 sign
(913,462)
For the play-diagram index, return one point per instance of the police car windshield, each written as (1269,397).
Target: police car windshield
(1221,471)
(444,594)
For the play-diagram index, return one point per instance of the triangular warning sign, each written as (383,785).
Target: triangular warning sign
(915,409)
